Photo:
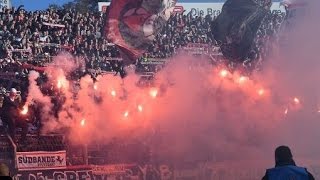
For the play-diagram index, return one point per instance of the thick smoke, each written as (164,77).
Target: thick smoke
(200,112)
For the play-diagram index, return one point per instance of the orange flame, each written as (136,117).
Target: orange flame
(25,110)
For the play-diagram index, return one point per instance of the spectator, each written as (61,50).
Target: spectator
(11,113)
(286,168)
(4,170)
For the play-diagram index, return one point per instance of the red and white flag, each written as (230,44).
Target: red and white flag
(133,24)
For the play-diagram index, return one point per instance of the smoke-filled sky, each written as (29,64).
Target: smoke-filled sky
(200,112)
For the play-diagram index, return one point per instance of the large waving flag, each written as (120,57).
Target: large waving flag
(133,24)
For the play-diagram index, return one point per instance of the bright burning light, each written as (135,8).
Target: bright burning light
(126,114)
(113,93)
(25,110)
(59,84)
(95,87)
(83,122)
(261,92)
(242,79)
(296,100)
(153,93)
(223,73)
(286,111)
(140,108)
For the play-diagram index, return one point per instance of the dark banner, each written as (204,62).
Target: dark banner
(237,26)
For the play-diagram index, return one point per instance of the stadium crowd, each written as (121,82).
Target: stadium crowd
(35,37)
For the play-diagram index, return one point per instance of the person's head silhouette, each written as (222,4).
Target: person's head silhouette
(283,156)
(285,167)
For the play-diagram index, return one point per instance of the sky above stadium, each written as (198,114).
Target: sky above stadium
(32,5)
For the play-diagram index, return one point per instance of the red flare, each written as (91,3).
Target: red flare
(242,79)
(296,100)
(25,110)
(153,93)
(126,114)
(223,73)
(83,122)
(261,92)
(113,93)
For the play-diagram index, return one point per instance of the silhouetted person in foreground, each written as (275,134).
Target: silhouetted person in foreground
(286,168)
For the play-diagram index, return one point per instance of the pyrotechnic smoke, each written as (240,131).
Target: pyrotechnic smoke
(35,95)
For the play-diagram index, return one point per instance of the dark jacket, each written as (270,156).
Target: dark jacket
(287,164)
(9,106)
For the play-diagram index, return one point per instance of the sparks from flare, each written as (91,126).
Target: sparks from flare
(286,111)
(25,110)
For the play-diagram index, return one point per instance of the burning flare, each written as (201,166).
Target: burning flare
(140,108)
(153,93)
(25,110)
(126,114)
(83,122)
(223,73)
(59,84)
(95,87)
(261,92)
(242,79)
(296,100)
(113,93)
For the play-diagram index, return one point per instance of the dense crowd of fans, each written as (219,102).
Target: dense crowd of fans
(35,37)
